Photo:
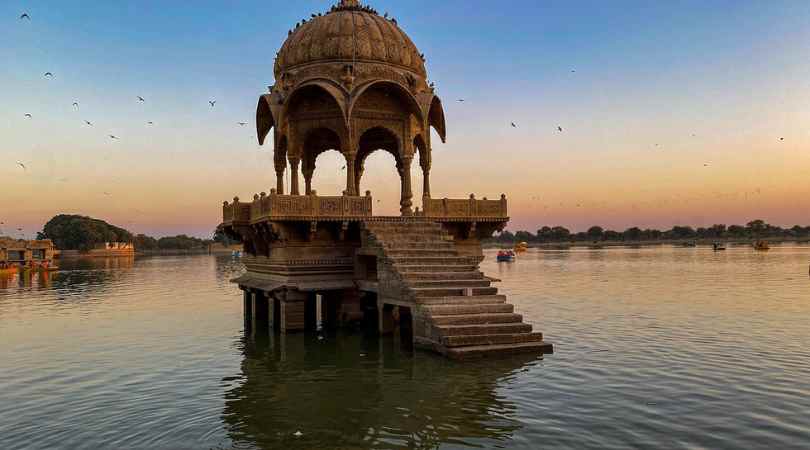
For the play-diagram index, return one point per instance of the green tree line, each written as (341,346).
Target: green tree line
(73,232)
(755,229)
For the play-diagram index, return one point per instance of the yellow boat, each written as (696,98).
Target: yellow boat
(521,247)
(8,270)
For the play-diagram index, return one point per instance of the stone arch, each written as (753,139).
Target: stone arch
(314,87)
(316,141)
(406,98)
(380,138)
(436,118)
(422,147)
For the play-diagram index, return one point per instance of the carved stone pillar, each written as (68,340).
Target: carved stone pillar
(358,176)
(308,181)
(351,182)
(294,164)
(425,182)
(407,194)
(280,181)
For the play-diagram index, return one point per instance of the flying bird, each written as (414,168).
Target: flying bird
(28,115)
(343,168)
(22,165)
(25,16)
(781,139)
(150,123)
(141,99)
(113,137)
(461,100)
(560,129)
(573,71)
(76,105)
(241,124)
(107,193)
(88,123)
(212,103)
(48,74)
(513,125)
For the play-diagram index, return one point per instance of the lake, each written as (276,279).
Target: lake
(656,347)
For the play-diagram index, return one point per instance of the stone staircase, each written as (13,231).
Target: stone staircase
(456,310)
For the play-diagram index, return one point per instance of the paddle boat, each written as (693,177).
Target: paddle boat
(762,246)
(719,246)
(521,247)
(506,256)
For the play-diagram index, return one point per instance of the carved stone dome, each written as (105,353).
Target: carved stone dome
(349,33)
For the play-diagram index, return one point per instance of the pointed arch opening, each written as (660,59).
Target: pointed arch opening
(318,141)
(377,165)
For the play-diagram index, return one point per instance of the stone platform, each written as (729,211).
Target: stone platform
(417,276)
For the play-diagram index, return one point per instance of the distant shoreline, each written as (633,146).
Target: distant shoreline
(668,242)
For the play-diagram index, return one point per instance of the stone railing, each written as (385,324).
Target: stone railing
(236,211)
(464,208)
(297,207)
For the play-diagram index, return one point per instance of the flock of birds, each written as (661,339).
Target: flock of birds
(212,103)
(140,99)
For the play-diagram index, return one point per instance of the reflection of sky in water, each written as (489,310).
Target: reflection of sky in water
(656,347)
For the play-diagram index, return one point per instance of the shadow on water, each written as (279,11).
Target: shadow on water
(353,390)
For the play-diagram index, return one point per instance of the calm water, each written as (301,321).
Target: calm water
(656,348)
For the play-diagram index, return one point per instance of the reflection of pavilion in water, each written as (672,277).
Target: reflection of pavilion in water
(355,391)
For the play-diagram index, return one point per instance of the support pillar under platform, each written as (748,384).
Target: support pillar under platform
(259,313)
(293,312)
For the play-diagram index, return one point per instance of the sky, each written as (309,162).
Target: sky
(691,112)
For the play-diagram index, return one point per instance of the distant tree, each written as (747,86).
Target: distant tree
(72,232)
(633,234)
(181,242)
(506,237)
(756,228)
(681,232)
(736,231)
(143,242)
(524,236)
(611,235)
(560,234)
(545,234)
(596,233)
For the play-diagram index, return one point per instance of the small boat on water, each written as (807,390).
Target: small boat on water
(521,247)
(719,246)
(689,244)
(236,254)
(762,246)
(506,256)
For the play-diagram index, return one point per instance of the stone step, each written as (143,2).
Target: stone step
(475,352)
(410,228)
(477,319)
(443,275)
(468,330)
(485,308)
(421,252)
(438,245)
(479,283)
(428,260)
(451,291)
(407,269)
(458,300)
(491,339)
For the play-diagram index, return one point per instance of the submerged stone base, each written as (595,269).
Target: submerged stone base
(414,276)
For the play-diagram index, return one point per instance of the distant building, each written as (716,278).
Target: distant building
(104,249)
(18,252)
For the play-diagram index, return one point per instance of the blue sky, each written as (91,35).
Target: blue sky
(659,89)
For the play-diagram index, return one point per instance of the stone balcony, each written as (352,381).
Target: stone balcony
(281,208)
(274,207)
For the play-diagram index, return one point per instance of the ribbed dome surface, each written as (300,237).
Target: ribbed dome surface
(347,34)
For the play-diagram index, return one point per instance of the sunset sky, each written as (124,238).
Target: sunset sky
(674,112)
